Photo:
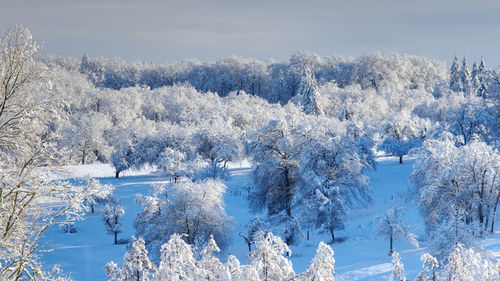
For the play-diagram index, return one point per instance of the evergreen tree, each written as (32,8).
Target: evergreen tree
(136,264)
(322,267)
(308,94)
(466,78)
(455,78)
(483,77)
(476,84)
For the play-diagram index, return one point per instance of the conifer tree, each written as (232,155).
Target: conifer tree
(455,78)
(308,94)
(322,267)
(482,76)
(476,84)
(465,77)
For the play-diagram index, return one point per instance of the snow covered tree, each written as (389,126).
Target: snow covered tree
(27,103)
(322,266)
(458,189)
(177,261)
(393,226)
(482,76)
(85,136)
(275,173)
(257,225)
(136,265)
(476,84)
(172,162)
(332,180)
(403,132)
(331,210)
(456,83)
(466,78)
(113,211)
(469,120)
(103,192)
(429,263)
(452,231)
(308,96)
(240,272)
(197,210)
(268,258)
(193,209)
(217,144)
(467,264)
(398,269)
(112,271)
(122,157)
(209,266)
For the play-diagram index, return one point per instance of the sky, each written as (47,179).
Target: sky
(165,31)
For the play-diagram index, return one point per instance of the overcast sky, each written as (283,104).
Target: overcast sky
(160,31)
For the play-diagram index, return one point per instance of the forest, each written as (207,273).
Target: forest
(312,128)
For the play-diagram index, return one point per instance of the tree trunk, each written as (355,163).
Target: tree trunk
(481,216)
(92,208)
(492,224)
(117,173)
(487,221)
(391,250)
(400,159)
(116,239)
(332,233)
(493,214)
(308,235)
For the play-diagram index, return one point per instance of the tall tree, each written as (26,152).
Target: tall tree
(27,103)
(466,78)
(476,83)
(456,83)
(308,96)
(483,74)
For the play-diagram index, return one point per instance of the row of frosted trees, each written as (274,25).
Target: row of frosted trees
(269,262)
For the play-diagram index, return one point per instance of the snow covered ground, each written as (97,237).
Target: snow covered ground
(361,256)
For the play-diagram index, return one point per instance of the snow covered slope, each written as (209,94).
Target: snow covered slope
(361,256)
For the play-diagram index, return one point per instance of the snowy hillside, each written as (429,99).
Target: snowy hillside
(362,256)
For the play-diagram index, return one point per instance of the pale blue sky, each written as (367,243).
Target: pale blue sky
(160,31)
